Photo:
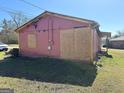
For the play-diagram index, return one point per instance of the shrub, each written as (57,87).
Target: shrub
(10,38)
(104,45)
(14,52)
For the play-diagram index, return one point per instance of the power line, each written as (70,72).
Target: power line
(12,11)
(6,8)
(7,11)
(29,3)
(16,12)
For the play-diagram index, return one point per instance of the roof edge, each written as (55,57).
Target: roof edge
(49,12)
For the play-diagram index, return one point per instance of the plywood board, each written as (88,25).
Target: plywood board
(31,41)
(82,44)
(67,44)
(76,44)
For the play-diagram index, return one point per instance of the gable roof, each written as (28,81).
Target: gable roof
(121,38)
(91,22)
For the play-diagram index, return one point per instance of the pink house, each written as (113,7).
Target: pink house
(60,36)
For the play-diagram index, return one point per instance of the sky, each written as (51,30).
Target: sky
(108,13)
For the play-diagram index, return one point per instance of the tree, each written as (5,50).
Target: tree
(8,35)
(19,19)
(119,33)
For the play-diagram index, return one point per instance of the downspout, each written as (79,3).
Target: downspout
(49,47)
(52,29)
(50,39)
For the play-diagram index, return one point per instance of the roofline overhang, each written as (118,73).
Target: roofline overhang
(90,22)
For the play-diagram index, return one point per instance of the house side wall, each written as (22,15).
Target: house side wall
(48,28)
(117,44)
(96,42)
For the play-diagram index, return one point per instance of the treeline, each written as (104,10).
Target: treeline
(119,33)
(7,28)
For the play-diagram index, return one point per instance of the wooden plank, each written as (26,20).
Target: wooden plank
(82,44)
(76,44)
(31,41)
(67,44)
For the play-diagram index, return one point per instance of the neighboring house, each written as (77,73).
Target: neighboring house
(106,34)
(0,36)
(117,42)
(60,36)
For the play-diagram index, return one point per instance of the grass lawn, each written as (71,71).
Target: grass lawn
(46,75)
(2,54)
(13,46)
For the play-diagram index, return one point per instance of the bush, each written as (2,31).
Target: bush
(104,45)
(10,38)
(14,52)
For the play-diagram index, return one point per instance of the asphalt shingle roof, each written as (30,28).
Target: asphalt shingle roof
(118,39)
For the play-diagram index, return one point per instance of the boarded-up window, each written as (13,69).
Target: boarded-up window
(75,44)
(31,41)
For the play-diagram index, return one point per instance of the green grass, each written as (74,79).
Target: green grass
(117,59)
(49,70)
(13,45)
(2,54)
(47,75)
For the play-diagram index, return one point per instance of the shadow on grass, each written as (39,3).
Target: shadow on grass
(49,70)
(109,56)
(104,53)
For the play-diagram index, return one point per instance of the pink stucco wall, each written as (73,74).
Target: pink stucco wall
(96,42)
(45,23)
